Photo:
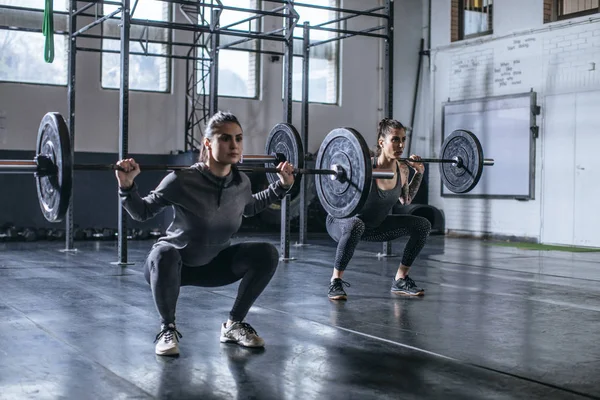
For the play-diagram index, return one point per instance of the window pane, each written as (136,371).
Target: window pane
(323,68)
(22,58)
(477,17)
(146,9)
(59,5)
(577,6)
(237,69)
(321,82)
(147,73)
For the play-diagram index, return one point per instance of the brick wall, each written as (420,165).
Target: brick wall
(548,10)
(455,22)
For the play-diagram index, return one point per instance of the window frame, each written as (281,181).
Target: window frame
(169,60)
(461,22)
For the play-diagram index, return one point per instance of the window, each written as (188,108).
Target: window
(471,18)
(22,53)
(238,69)
(323,59)
(555,10)
(146,73)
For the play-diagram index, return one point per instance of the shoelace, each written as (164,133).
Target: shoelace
(168,334)
(338,284)
(246,329)
(410,283)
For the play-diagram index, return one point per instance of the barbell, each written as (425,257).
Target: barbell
(344,170)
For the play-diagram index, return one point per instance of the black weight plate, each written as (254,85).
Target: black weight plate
(464,145)
(347,148)
(285,139)
(54,191)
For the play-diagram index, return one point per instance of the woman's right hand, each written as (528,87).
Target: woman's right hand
(130,170)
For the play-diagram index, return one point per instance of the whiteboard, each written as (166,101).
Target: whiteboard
(506,128)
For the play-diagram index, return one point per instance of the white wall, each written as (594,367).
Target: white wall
(157,119)
(551,59)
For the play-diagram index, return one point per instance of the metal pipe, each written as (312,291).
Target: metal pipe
(214,65)
(415,95)
(249,39)
(72,62)
(135,53)
(124,122)
(349,17)
(97,22)
(304,129)
(364,32)
(251,18)
(84,8)
(345,36)
(336,9)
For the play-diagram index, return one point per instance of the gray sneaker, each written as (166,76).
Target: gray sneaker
(336,289)
(241,333)
(407,287)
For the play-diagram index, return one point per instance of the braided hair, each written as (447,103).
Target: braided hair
(383,129)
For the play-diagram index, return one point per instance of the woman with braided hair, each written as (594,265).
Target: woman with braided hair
(374,223)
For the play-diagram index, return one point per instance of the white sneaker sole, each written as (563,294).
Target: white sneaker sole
(174,351)
(244,344)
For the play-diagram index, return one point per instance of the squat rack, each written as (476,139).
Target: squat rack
(206,40)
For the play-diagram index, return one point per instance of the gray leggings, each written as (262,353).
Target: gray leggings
(349,231)
(253,263)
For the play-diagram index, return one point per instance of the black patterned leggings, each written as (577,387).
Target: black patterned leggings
(348,232)
(253,263)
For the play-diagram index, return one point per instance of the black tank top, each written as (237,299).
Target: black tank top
(380,202)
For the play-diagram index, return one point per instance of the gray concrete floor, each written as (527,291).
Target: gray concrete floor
(495,323)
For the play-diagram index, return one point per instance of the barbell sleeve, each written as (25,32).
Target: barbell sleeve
(383,174)
(258,159)
(488,161)
(18,166)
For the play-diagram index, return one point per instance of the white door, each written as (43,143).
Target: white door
(587,170)
(558,139)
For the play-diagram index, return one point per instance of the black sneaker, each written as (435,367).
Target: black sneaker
(336,289)
(407,287)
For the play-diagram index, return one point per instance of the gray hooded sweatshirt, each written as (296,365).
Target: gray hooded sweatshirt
(207,209)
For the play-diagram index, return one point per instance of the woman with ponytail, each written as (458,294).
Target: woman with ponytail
(209,200)
(374,223)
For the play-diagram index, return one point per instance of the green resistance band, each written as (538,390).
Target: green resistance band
(48,31)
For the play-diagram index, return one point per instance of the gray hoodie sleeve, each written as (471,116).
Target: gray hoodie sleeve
(261,200)
(142,209)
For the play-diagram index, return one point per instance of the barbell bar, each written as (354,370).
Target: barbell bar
(344,169)
(53,165)
(457,160)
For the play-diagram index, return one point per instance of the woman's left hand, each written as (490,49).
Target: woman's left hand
(286,176)
(417,166)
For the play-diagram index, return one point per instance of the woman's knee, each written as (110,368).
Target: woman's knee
(422,227)
(357,228)
(163,261)
(264,255)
